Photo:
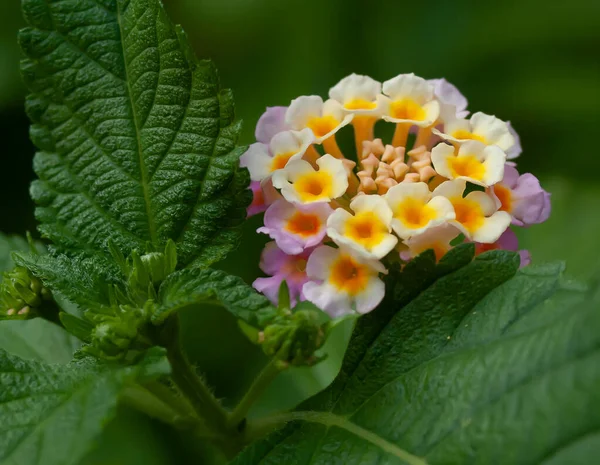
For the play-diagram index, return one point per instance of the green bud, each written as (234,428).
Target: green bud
(114,336)
(22,295)
(294,338)
(147,271)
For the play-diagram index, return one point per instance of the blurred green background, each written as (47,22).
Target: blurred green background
(533,62)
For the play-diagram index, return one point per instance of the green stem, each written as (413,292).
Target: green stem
(142,399)
(266,425)
(197,392)
(258,387)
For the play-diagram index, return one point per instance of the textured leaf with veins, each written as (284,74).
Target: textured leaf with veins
(53,414)
(480,368)
(137,140)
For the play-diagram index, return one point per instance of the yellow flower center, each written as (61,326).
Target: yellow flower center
(414,213)
(280,160)
(303,224)
(366,229)
(504,195)
(359,104)
(468,166)
(295,269)
(407,109)
(349,276)
(468,213)
(464,134)
(315,186)
(322,125)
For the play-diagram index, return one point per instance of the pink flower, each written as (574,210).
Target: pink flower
(296,227)
(448,94)
(522,197)
(507,241)
(282,267)
(270,123)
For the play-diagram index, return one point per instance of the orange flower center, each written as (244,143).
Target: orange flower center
(414,213)
(504,195)
(366,229)
(468,213)
(303,224)
(279,161)
(349,276)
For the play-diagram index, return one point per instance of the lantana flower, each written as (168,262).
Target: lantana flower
(476,213)
(483,128)
(342,283)
(263,160)
(282,267)
(368,231)
(324,119)
(437,239)
(472,161)
(361,96)
(296,227)
(522,197)
(301,183)
(449,95)
(271,122)
(415,209)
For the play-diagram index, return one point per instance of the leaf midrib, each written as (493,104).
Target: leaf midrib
(143,169)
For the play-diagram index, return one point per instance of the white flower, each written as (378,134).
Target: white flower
(486,129)
(415,210)
(437,239)
(324,119)
(368,231)
(342,283)
(358,94)
(263,160)
(410,100)
(476,214)
(473,161)
(301,183)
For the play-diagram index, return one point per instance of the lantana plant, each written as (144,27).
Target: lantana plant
(462,352)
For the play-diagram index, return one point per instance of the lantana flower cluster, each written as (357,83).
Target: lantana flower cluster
(337,220)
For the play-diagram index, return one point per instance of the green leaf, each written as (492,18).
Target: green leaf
(52,414)
(82,280)
(137,141)
(190,287)
(480,368)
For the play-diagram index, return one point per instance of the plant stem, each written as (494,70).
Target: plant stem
(258,387)
(142,399)
(193,387)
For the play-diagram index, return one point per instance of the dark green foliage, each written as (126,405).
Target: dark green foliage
(476,369)
(137,140)
(52,414)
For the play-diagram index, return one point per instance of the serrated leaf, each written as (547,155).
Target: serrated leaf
(478,369)
(190,287)
(137,141)
(82,280)
(52,414)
